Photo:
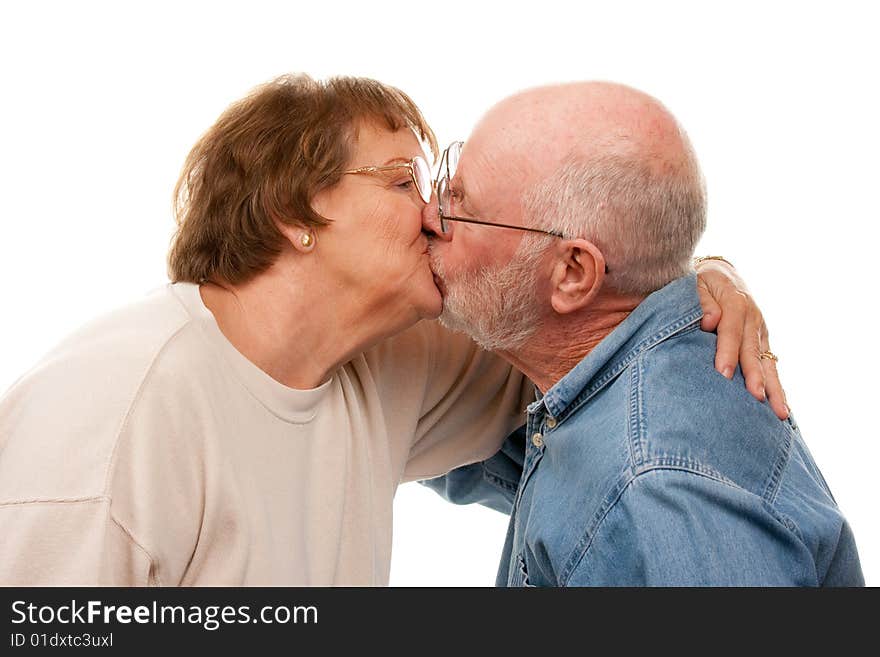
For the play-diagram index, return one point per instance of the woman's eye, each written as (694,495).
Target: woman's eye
(405,184)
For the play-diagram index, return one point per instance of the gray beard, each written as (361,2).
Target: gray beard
(498,308)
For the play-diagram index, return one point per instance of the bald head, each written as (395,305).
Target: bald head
(537,129)
(605,162)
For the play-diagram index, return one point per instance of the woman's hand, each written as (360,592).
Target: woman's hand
(729,309)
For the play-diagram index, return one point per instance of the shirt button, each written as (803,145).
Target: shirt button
(537,440)
(551,422)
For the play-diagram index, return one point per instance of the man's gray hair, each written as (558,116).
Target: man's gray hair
(645,216)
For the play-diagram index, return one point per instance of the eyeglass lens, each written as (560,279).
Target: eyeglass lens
(447,171)
(443,201)
(422,178)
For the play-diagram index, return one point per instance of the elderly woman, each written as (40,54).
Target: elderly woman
(249,423)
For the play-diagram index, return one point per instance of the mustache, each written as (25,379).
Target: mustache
(435,262)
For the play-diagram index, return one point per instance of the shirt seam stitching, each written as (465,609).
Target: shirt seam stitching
(680,326)
(91,500)
(493,478)
(124,424)
(55,500)
(774,481)
(586,542)
(123,427)
(154,564)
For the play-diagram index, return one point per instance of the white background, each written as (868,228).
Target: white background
(102,101)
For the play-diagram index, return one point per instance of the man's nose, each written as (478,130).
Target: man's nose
(431,220)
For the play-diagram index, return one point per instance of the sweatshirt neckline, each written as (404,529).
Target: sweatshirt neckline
(289,404)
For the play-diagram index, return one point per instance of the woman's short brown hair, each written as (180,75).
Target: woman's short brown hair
(263,161)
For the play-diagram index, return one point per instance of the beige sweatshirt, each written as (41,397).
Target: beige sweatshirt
(146,450)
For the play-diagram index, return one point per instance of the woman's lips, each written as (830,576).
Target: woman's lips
(432,263)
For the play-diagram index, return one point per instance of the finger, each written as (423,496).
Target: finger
(749,356)
(711,309)
(730,335)
(775,392)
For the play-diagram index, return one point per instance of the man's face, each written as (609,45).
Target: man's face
(487,280)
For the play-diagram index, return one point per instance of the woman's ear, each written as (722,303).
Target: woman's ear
(305,241)
(302,238)
(577,276)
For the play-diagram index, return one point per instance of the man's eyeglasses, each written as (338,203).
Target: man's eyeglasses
(418,169)
(448,165)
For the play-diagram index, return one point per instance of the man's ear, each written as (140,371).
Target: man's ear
(577,275)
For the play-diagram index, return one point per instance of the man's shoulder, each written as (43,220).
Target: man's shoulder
(689,416)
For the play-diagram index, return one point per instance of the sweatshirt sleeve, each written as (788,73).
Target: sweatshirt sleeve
(69,543)
(492,482)
(458,401)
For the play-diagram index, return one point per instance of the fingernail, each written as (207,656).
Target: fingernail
(763,393)
(727,372)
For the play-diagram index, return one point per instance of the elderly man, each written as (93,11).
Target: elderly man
(640,464)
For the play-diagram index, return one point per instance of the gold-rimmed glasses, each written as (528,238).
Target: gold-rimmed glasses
(418,169)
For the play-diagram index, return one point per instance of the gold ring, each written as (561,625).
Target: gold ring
(769,355)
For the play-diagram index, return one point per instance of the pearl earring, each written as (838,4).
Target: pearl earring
(306,240)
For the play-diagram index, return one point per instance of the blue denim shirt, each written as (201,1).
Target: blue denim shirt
(644,466)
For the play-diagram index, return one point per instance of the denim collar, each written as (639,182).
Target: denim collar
(662,314)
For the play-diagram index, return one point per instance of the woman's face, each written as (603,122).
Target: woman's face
(374,248)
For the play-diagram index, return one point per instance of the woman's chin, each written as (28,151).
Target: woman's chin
(432,304)
(430,295)
(433,310)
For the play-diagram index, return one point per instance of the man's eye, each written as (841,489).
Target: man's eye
(405,184)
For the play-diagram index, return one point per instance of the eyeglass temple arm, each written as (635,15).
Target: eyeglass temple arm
(406,165)
(440,164)
(486,223)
